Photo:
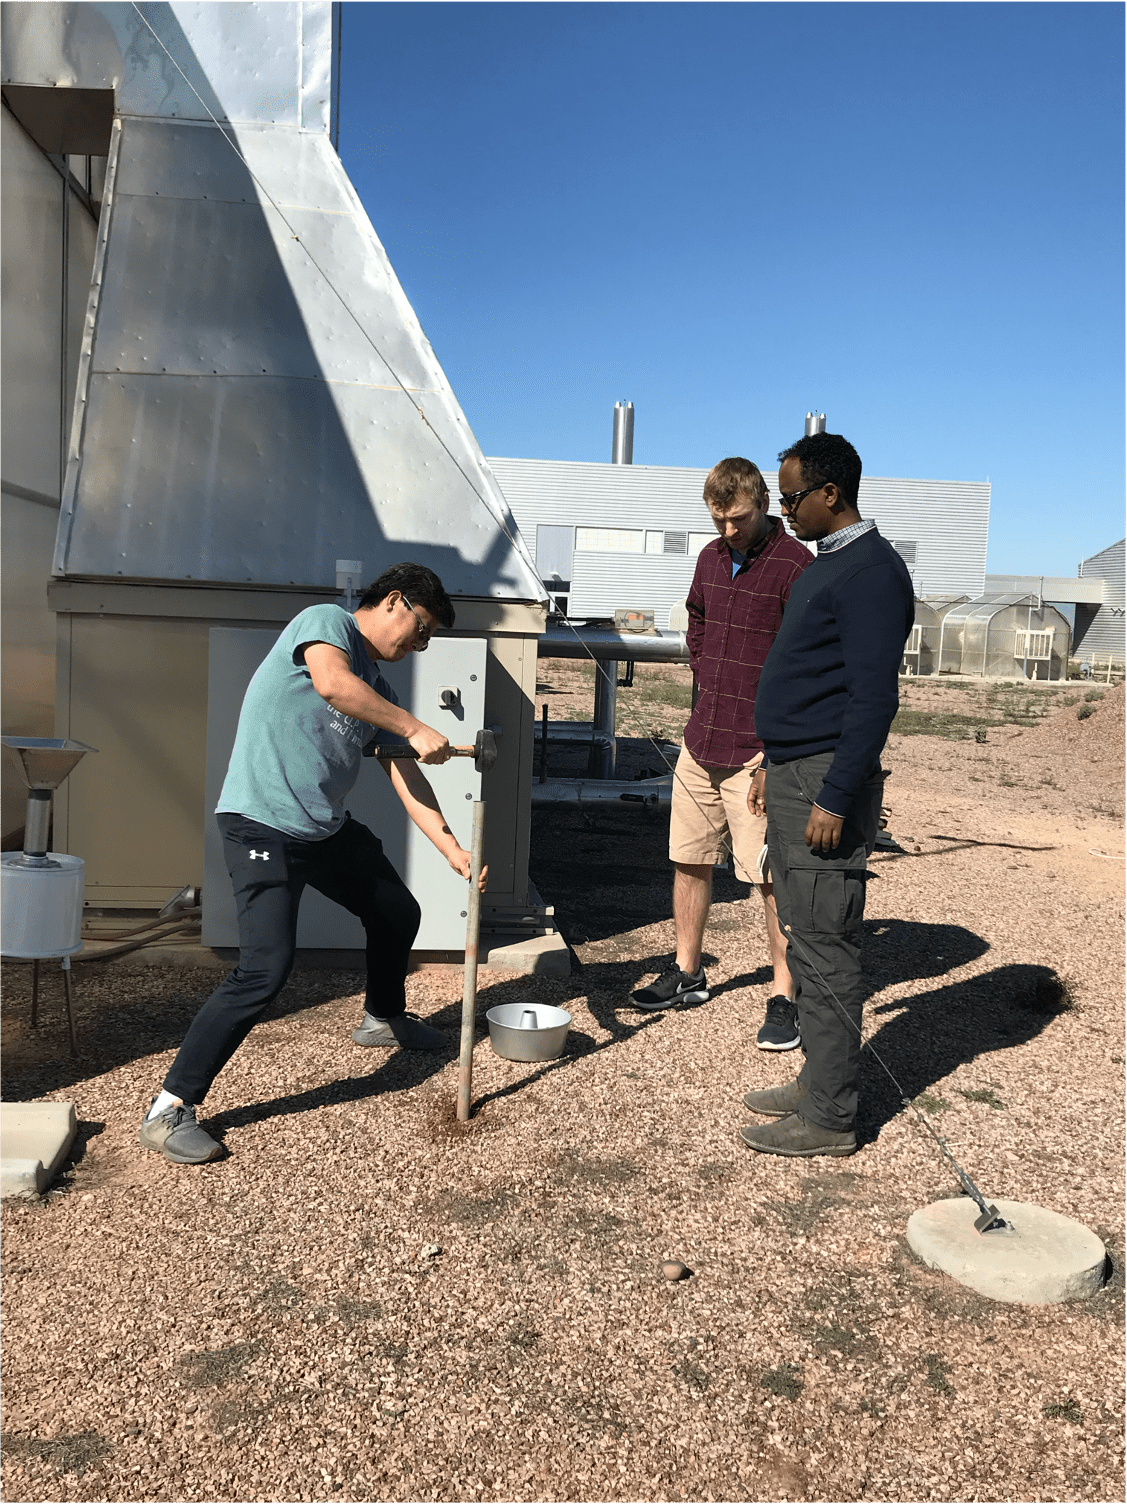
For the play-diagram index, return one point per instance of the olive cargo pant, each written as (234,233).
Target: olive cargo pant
(821,902)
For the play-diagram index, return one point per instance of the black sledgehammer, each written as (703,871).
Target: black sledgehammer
(483,751)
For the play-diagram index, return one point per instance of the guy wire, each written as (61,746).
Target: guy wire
(965,1181)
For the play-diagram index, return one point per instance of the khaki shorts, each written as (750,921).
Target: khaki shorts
(709,817)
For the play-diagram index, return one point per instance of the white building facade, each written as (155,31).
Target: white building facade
(626,537)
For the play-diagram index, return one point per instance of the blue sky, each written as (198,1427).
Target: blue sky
(909,216)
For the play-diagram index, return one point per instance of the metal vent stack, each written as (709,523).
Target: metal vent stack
(622,442)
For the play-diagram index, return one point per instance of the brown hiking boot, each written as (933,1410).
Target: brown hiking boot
(795,1138)
(777,1101)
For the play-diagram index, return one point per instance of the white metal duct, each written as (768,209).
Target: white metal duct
(256,397)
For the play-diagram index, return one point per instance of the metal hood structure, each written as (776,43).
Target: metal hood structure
(256,398)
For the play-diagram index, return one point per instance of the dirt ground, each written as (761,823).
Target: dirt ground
(274,1326)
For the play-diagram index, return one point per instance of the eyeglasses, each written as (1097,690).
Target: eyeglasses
(423,632)
(789,500)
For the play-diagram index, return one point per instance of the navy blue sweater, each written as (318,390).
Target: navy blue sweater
(830,680)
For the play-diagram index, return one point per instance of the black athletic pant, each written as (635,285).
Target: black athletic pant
(821,902)
(269,872)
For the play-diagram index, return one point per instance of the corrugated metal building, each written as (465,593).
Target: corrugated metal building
(1104,634)
(253,397)
(609,537)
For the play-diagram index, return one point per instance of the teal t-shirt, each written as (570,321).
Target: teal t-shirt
(295,758)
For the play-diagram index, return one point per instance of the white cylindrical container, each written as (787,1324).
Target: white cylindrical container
(41,907)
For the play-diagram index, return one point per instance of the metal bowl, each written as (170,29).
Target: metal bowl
(528,1031)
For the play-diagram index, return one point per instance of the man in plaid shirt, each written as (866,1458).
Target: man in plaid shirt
(739,590)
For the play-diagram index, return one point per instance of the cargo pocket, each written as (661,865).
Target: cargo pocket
(827,902)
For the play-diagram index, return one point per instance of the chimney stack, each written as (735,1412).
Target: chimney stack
(622,444)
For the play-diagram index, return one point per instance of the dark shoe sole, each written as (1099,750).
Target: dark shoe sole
(176,1159)
(396,1044)
(701,995)
(839,1151)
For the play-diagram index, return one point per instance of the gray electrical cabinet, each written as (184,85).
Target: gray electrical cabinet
(456,663)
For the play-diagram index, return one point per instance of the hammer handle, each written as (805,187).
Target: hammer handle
(397,751)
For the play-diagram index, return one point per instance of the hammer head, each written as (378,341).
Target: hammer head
(484,750)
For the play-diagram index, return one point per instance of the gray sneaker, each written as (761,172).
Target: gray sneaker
(401,1030)
(176,1134)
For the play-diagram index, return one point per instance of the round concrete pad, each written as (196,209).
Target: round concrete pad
(1040,1258)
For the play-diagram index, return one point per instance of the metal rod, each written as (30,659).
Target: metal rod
(603,758)
(595,643)
(544,743)
(469,984)
(35,994)
(70,1011)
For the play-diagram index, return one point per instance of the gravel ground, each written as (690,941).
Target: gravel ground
(275,1325)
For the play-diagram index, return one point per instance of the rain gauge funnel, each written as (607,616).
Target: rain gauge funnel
(42,892)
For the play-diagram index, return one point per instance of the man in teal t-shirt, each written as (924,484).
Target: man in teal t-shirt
(316,703)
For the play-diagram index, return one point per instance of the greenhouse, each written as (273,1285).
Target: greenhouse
(1004,637)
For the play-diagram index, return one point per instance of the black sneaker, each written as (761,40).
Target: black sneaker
(672,986)
(780,1027)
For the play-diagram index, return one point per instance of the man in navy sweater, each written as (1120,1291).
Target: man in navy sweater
(827,696)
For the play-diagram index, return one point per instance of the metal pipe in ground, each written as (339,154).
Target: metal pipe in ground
(469,984)
(603,759)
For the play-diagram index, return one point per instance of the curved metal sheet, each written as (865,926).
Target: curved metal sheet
(259,398)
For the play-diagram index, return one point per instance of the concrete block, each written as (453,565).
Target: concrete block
(1040,1258)
(35,1138)
(538,955)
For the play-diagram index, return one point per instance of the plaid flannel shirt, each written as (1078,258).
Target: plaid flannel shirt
(732,624)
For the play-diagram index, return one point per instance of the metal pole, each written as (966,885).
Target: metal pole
(469,985)
(70,1013)
(1028,627)
(35,994)
(544,744)
(603,759)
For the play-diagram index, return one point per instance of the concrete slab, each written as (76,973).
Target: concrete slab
(35,1138)
(1041,1258)
(538,955)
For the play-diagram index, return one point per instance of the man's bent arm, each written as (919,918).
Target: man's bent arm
(334,681)
(421,804)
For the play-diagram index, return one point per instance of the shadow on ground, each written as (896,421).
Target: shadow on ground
(608,876)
